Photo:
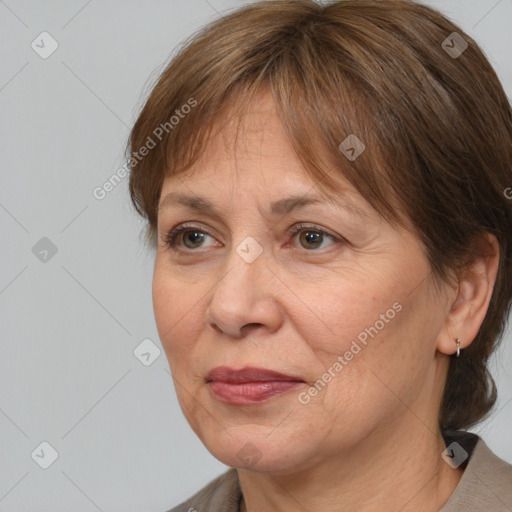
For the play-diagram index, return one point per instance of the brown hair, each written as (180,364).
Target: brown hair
(437,129)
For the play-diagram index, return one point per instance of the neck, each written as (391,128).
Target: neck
(406,474)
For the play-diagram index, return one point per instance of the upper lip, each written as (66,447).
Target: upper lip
(247,374)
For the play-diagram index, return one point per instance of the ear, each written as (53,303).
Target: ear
(472,296)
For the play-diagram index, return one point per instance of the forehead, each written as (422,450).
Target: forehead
(242,150)
(245,144)
(249,157)
(254,135)
(252,158)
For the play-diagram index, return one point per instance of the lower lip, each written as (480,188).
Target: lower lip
(250,392)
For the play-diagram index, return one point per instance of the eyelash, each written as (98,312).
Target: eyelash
(169,238)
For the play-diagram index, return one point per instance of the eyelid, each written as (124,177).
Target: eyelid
(301,226)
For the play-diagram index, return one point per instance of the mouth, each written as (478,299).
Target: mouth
(248,374)
(249,385)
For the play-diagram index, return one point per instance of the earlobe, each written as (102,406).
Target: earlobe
(475,287)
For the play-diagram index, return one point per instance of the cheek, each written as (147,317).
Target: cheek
(385,356)
(362,330)
(334,320)
(175,305)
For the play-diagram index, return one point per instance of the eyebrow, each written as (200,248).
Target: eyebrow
(281,207)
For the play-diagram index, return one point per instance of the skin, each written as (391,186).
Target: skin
(369,441)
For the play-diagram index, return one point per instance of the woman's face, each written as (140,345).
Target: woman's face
(353,309)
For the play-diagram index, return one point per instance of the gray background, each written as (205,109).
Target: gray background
(70,324)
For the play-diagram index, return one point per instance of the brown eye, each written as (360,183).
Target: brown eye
(311,237)
(194,237)
(191,236)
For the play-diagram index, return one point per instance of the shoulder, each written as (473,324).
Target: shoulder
(486,483)
(220,495)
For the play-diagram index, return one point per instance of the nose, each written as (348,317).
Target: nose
(244,300)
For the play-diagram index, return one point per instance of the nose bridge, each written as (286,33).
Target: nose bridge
(244,268)
(241,295)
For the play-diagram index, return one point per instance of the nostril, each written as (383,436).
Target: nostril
(216,328)
(251,326)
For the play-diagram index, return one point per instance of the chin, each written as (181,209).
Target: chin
(256,450)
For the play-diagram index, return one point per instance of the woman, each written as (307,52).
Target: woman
(324,188)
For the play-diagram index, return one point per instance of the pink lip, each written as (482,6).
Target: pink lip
(248,385)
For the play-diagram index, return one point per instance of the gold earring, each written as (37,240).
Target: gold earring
(457,340)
